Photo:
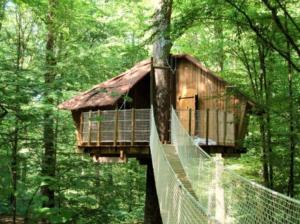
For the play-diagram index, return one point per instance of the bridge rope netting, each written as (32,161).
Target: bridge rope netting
(217,195)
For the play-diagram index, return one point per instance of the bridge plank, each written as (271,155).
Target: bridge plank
(176,165)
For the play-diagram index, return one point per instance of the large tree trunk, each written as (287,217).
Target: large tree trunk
(162,101)
(161,52)
(49,159)
(152,212)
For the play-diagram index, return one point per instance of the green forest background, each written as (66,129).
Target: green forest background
(253,44)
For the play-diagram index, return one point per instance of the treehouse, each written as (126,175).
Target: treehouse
(113,118)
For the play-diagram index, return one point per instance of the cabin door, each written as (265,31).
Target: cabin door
(186,107)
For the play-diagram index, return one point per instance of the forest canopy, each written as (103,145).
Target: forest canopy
(51,50)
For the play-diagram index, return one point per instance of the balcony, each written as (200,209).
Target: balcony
(131,127)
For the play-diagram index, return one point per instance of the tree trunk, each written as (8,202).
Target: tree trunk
(17,112)
(292,121)
(49,159)
(152,212)
(2,10)
(265,91)
(264,152)
(292,135)
(161,52)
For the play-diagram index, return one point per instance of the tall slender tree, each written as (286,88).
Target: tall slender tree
(49,158)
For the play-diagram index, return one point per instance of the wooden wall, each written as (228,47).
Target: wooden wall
(197,89)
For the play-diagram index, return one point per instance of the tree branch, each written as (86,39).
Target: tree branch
(261,36)
(281,27)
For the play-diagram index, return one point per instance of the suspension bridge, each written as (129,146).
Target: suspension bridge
(193,187)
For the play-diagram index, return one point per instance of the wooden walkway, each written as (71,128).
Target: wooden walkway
(176,165)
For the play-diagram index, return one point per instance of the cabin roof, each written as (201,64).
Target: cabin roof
(107,93)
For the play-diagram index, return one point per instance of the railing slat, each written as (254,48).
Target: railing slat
(116,127)
(81,129)
(207,126)
(190,121)
(90,127)
(132,125)
(99,128)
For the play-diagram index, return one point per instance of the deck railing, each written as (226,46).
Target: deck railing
(132,127)
(115,127)
(209,126)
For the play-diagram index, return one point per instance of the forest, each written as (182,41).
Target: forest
(50,50)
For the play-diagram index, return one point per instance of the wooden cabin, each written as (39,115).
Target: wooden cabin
(113,118)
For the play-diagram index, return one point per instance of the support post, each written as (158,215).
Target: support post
(190,121)
(116,127)
(152,212)
(90,127)
(81,129)
(132,125)
(207,126)
(225,127)
(151,82)
(217,121)
(99,128)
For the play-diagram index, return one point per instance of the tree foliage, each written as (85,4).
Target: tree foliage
(252,44)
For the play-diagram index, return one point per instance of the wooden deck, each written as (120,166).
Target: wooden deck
(132,127)
(126,133)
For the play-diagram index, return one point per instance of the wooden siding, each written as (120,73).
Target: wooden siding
(209,93)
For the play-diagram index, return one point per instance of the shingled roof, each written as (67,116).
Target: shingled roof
(108,92)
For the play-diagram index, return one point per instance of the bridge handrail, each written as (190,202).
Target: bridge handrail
(176,203)
(226,195)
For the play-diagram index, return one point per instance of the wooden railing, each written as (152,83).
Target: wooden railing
(115,127)
(132,127)
(209,126)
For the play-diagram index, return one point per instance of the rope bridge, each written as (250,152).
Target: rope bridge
(193,187)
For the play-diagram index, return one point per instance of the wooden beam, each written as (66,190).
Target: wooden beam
(207,126)
(151,82)
(99,128)
(225,127)
(217,128)
(90,127)
(190,121)
(161,67)
(81,129)
(132,125)
(116,127)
